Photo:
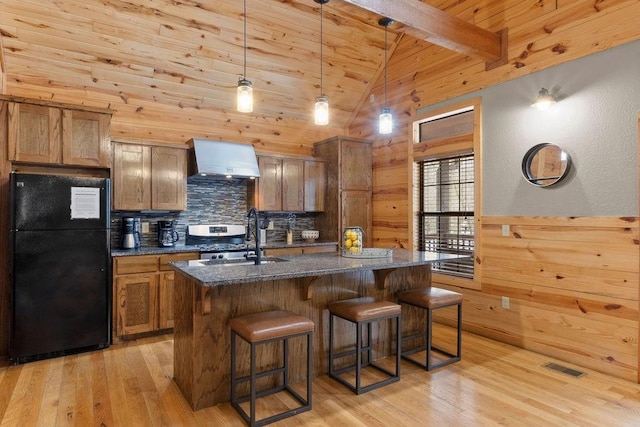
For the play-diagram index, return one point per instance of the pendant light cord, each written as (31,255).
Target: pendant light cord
(385,66)
(321,19)
(244,11)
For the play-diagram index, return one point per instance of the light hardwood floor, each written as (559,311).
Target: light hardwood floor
(494,384)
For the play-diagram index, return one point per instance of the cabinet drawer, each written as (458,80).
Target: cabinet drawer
(283,251)
(136,264)
(166,259)
(319,249)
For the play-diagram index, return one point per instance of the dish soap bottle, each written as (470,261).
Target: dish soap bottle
(291,220)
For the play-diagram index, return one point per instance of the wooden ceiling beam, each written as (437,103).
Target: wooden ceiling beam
(438,27)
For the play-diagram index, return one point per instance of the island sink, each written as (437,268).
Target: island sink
(234,262)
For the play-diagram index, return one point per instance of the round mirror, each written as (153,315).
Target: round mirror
(545,164)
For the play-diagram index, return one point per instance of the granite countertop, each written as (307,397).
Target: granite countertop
(180,248)
(301,266)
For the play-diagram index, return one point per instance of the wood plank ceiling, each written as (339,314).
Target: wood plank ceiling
(189,53)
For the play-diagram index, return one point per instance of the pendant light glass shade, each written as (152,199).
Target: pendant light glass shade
(385,121)
(321,111)
(385,125)
(245,96)
(321,108)
(245,87)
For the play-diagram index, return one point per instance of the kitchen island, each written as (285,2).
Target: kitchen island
(207,296)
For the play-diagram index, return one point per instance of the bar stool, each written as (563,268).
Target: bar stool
(363,312)
(263,328)
(432,299)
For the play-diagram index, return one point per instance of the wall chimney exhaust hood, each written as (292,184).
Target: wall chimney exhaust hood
(220,159)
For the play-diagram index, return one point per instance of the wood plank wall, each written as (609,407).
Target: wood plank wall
(572,282)
(572,285)
(420,74)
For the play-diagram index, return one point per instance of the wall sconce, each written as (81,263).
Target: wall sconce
(245,89)
(544,100)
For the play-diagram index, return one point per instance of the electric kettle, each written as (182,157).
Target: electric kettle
(167,234)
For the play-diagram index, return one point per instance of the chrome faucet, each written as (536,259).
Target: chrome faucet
(253,213)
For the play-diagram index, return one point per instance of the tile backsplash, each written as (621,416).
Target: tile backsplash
(211,201)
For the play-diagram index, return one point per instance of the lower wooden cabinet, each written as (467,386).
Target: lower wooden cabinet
(143,293)
(299,250)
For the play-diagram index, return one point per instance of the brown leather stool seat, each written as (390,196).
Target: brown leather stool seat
(431,299)
(262,328)
(363,311)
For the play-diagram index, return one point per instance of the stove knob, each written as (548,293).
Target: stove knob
(220,256)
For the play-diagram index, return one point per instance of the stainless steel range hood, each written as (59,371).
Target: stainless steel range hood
(220,159)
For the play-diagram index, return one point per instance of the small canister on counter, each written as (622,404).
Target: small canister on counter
(353,239)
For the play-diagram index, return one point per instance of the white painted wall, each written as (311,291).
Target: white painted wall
(596,122)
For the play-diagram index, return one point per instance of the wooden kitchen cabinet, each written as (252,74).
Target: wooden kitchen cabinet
(44,133)
(281,184)
(315,184)
(143,293)
(147,177)
(299,250)
(289,185)
(348,200)
(136,304)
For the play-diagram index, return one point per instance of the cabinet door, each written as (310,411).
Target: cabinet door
(292,185)
(269,185)
(356,165)
(136,303)
(169,179)
(131,175)
(34,133)
(315,185)
(356,211)
(165,299)
(85,138)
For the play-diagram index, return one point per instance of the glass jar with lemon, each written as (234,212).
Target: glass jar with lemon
(353,239)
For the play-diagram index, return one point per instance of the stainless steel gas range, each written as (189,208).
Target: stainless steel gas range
(221,242)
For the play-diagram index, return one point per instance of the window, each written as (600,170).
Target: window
(447,189)
(446,211)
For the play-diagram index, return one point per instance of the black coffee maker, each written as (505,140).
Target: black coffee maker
(130,233)
(167,234)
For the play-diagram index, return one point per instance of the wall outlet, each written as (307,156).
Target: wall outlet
(505,230)
(270,225)
(505,303)
(144,227)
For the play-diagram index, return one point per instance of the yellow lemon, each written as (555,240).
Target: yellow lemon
(356,243)
(347,243)
(354,249)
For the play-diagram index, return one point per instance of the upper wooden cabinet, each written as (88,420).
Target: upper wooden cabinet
(315,185)
(289,185)
(348,202)
(168,178)
(49,134)
(149,177)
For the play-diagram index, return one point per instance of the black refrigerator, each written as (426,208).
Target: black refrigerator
(61,263)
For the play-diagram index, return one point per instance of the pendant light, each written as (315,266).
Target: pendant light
(245,88)
(321,110)
(385,125)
